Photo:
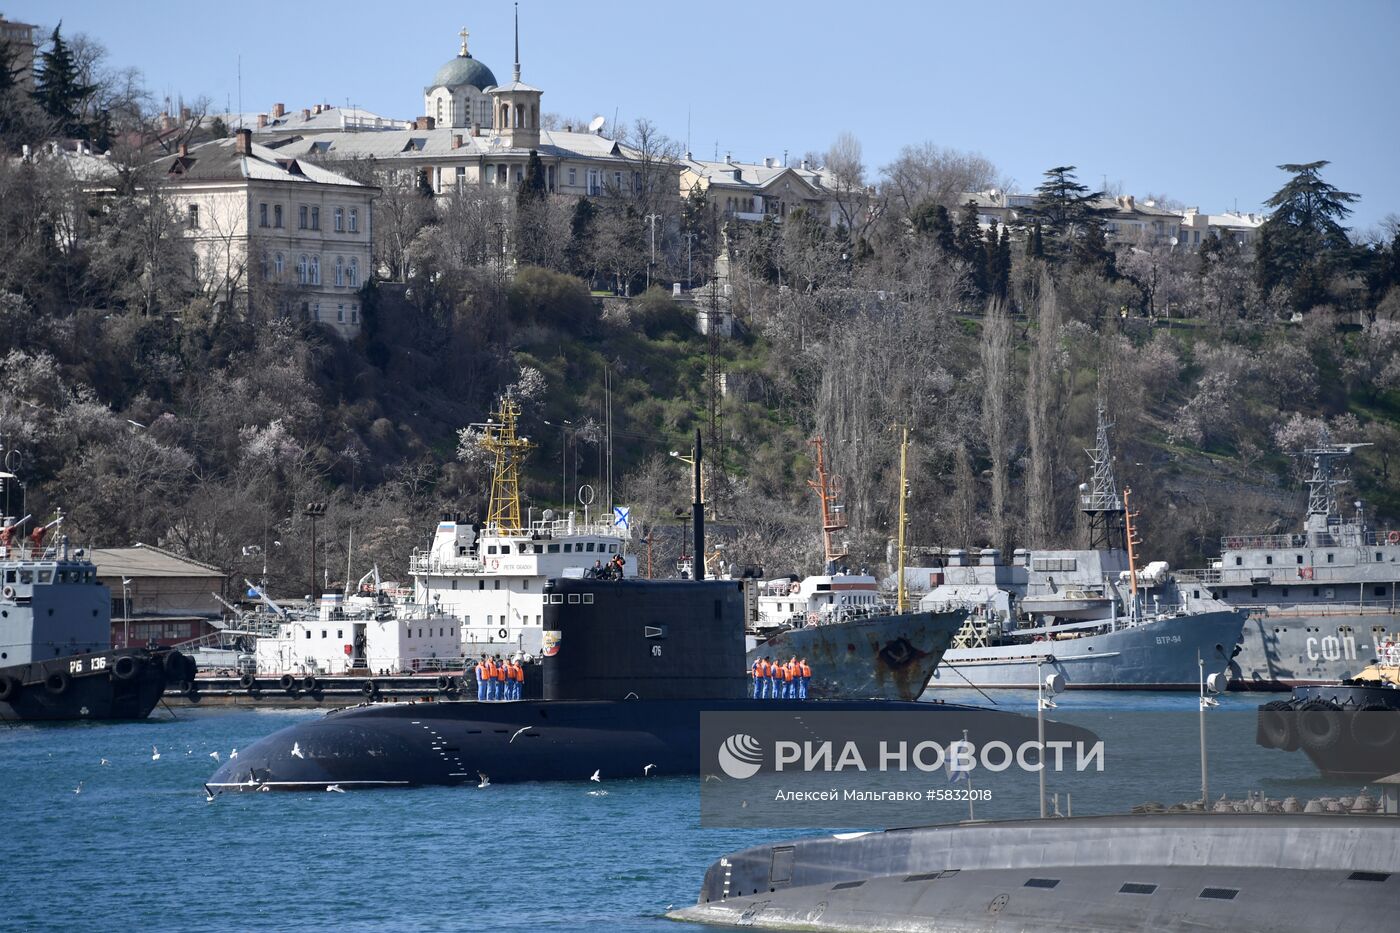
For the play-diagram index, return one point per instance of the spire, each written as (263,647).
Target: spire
(464,53)
(517,42)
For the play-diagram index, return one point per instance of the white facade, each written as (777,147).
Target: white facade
(494,582)
(291,230)
(350,635)
(816,600)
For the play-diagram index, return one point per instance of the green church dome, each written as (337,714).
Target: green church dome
(464,70)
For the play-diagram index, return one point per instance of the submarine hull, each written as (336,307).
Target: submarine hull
(457,742)
(891,657)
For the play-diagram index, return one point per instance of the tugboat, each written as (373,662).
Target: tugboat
(56,660)
(858,644)
(1349,729)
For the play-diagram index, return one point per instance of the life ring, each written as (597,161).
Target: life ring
(1393,537)
(287,682)
(370,688)
(503,634)
(495,564)
(9,688)
(811,618)
(57,683)
(9,592)
(126,667)
(308,683)
(247,681)
(444,683)
(1320,725)
(794,588)
(1278,726)
(1379,727)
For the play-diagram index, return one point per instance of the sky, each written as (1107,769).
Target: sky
(1197,101)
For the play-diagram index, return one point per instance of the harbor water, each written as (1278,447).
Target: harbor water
(133,844)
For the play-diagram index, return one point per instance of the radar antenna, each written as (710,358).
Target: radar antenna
(499,437)
(1099,499)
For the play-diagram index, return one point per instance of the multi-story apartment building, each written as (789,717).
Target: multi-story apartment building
(291,233)
(23,44)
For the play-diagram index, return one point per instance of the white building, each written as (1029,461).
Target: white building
(287,229)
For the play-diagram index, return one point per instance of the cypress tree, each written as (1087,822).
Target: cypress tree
(970,248)
(59,90)
(532,187)
(1003,283)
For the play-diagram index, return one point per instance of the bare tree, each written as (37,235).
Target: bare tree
(859,205)
(996,403)
(929,172)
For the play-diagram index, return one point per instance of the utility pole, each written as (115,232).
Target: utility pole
(652,218)
(903,506)
(313,511)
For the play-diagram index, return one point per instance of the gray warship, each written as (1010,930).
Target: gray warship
(1170,872)
(1094,616)
(1320,601)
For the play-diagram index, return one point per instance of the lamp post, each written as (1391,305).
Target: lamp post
(313,511)
(564,426)
(689,242)
(652,219)
(1053,683)
(126,612)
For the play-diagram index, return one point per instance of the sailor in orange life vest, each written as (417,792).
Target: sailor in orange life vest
(770,690)
(804,676)
(500,681)
(516,686)
(481,679)
(756,691)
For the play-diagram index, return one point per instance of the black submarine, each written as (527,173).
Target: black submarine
(629,666)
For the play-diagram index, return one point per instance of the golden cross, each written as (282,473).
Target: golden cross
(464,35)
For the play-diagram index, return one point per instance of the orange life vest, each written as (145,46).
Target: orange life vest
(806,669)
(500,671)
(518,672)
(786,671)
(489,670)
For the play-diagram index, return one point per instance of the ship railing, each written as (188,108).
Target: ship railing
(559,528)
(1350,536)
(421,562)
(1206,577)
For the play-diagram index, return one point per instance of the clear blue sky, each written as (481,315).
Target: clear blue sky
(1196,100)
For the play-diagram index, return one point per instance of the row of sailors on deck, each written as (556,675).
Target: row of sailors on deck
(775,681)
(499,680)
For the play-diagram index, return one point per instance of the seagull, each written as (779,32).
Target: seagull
(79,788)
(215,756)
(155,753)
(646,771)
(208,794)
(712,777)
(296,750)
(104,761)
(233,754)
(519,733)
(264,788)
(1209,702)
(485,781)
(334,789)
(595,776)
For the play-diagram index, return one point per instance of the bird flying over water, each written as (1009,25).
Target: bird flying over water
(296,750)
(215,756)
(155,753)
(233,754)
(104,761)
(334,789)
(646,771)
(595,776)
(485,781)
(79,788)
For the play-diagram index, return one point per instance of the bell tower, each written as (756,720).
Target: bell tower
(516,107)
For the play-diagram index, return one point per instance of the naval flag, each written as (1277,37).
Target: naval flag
(622,516)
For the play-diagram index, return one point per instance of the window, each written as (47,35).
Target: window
(315,270)
(1299,557)
(278,265)
(277,216)
(262,215)
(301,217)
(339,219)
(1380,591)
(264,267)
(498,584)
(315,218)
(302,270)
(568,549)
(595,182)
(354,273)
(1239,561)
(308,633)
(1330,558)
(1368,876)
(617,181)
(461,175)
(354,314)
(339,272)
(1268,558)
(193,216)
(323,633)
(340,314)
(354,220)
(573,178)
(316,312)
(589,546)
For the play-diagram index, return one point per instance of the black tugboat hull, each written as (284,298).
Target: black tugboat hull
(107,685)
(455,742)
(890,657)
(1349,731)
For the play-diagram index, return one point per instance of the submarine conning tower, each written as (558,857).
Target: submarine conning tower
(643,639)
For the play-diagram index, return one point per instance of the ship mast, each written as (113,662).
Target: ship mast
(1322,485)
(903,510)
(1132,541)
(500,438)
(1099,497)
(832,519)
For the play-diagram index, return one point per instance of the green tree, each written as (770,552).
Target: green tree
(971,249)
(532,187)
(1303,243)
(59,89)
(932,220)
(1064,209)
(579,253)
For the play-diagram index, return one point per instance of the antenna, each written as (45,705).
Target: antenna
(1099,497)
(832,519)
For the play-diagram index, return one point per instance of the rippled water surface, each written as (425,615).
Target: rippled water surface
(139,847)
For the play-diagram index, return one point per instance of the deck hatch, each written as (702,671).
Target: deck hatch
(1218,894)
(846,884)
(780,872)
(926,876)
(1133,887)
(1368,876)
(1042,883)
